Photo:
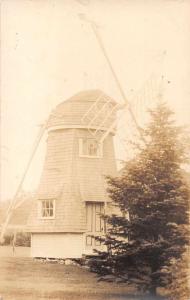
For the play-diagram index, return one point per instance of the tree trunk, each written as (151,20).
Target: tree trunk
(153,292)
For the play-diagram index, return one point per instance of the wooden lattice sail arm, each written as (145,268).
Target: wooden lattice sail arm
(100,42)
(13,203)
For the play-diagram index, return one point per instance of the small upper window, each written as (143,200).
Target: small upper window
(89,147)
(47,209)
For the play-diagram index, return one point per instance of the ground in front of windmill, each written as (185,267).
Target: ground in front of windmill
(23,278)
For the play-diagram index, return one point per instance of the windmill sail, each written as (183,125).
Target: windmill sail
(101,115)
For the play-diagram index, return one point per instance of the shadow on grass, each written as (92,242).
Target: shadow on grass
(29,294)
(100,296)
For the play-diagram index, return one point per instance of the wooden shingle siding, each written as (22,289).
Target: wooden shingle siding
(92,172)
(68,178)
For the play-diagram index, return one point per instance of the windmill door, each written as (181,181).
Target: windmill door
(95,225)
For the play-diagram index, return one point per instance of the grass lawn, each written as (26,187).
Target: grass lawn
(22,278)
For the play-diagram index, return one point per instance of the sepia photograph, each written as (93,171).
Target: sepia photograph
(95,150)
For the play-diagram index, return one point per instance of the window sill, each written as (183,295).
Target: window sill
(90,156)
(46,218)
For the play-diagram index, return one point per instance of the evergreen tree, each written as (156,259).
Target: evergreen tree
(179,287)
(152,191)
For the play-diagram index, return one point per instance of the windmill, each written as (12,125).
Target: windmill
(98,118)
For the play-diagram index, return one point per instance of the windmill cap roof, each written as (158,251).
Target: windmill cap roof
(72,110)
(88,96)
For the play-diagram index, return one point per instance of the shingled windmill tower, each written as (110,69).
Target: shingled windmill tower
(72,192)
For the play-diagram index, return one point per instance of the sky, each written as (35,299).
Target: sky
(48,54)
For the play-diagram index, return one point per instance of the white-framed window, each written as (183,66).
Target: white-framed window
(47,209)
(90,147)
